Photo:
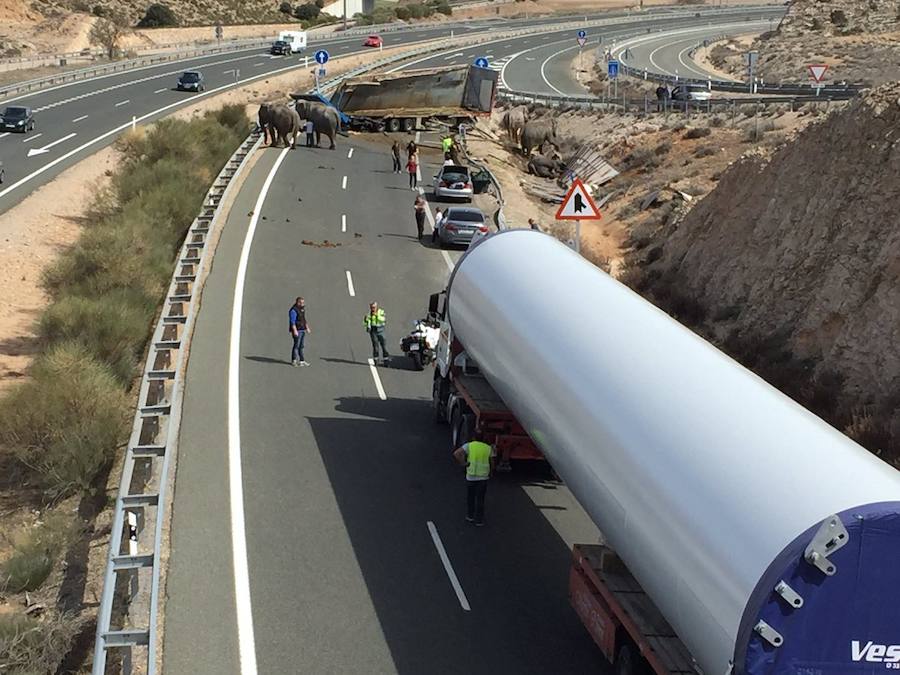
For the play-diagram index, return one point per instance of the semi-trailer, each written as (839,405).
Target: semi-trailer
(742,534)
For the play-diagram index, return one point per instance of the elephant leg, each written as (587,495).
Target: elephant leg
(318,138)
(331,138)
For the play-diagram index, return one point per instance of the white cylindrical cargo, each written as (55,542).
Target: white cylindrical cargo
(709,483)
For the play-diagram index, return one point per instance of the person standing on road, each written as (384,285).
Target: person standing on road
(438,217)
(395,154)
(374,323)
(412,165)
(420,205)
(310,132)
(478,458)
(446,143)
(299,327)
(412,149)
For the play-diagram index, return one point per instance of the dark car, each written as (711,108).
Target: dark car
(17,118)
(191,80)
(459,225)
(281,47)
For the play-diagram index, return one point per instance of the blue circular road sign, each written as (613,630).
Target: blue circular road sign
(321,57)
(582,34)
(481,62)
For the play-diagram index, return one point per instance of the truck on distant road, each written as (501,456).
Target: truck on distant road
(295,38)
(413,99)
(742,535)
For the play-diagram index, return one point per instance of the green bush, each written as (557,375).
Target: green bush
(34,555)
(66,422)
(402,12)
(444,8)
(158,16)
(285,8)
(307,11)
(32,647)
(697,132)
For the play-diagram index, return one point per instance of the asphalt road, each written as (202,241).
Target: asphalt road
(338,484)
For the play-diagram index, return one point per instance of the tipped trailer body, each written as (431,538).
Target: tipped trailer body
(750,532)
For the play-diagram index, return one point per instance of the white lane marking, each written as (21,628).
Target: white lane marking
(159,91)
(46,148)
(350,153)
(32,138)
(350,289)
(344,222)
(121,103)
(452,56)
(79,119)
(246,641)
(544,65)
(7,133)
(448,568)
(261,63)
(344,183)
(377,379)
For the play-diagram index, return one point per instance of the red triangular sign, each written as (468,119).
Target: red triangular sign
(817,72)
(578,204)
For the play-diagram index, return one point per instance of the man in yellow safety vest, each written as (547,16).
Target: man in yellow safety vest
(478,458)
(374,323)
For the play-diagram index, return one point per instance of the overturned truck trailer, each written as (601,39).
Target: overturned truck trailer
(411,99)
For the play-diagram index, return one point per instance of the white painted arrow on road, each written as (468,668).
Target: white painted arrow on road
(46,148)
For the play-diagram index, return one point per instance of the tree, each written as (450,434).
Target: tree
(320,3)
(307,12)
(285,8)
(158,16)
(107,32)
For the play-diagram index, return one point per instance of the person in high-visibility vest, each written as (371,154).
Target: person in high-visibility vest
(478,458)
(374,323)
(446,143)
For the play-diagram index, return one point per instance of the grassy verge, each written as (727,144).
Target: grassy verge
(64,426)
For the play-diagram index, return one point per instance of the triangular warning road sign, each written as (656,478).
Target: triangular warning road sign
(578,204)
(817,72)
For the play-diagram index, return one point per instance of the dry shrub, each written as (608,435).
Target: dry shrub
(31,646)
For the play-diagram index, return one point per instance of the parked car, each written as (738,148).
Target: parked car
(690,92)
(373,41)
(191,80)
(281,47)
(459,225)
(17,118)
(453,182)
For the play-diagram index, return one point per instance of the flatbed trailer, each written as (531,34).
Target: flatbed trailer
(621,618)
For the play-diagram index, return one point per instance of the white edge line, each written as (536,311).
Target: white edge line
(350,289)
(344,183)
(448,568)
(344,223)
(244,607)
(377,379)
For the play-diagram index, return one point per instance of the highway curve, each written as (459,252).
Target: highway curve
(339,485)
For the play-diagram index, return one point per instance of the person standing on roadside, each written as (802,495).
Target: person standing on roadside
(395,154)
(374,323)
(412,149)
(478,458)
(412,165)
(438,217)
(299,327)
(420,206)
(310,132)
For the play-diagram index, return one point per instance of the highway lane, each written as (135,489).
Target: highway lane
(339,485)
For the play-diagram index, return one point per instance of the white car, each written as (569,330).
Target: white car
(691,92)
(453,182)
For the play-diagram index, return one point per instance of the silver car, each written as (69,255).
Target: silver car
(453,182)
(459,224)
(691,92)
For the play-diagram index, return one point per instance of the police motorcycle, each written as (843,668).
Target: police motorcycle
(420,344)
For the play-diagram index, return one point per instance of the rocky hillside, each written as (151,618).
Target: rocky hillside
(188,12)
(792,264)
(858,39)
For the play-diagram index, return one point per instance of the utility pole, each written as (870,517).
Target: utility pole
(345,16)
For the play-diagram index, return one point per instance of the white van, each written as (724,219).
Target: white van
(295,38)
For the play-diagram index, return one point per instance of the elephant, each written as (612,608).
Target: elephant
(545,167)
(537,132)
(281,122)
(513,121)
(325,119)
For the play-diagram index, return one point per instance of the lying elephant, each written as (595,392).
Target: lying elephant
(545,167)
(537,132)
(325,119)
(281,121)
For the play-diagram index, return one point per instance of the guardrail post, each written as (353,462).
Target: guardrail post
(733,112)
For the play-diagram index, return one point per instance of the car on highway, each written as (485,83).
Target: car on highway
(690,92)
(281,47)
(373,41)
(459,225)
(453,182)
(17,118)
(191,80)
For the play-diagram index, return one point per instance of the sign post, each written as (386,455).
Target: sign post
(321,57)
(750,58)
(578,205)
(612,71)
(582,39)
(817,72)
(481,62)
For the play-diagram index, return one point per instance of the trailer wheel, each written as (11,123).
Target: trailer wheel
(439,398)
(393,124)
(408,124)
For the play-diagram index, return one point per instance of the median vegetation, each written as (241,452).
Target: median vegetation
(61,430)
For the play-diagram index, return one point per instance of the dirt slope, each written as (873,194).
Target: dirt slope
(793,262)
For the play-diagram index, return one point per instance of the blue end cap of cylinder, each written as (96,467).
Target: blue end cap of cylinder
(849,623)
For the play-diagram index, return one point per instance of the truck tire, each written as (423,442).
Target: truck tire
(439,398)
(462,427)
(629,662)
(393,124)
(408,124)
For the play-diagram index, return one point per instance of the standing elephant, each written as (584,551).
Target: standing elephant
(513,121)
(325,119)
(281,121)
(537,132)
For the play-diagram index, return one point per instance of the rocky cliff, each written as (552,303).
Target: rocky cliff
(793,264)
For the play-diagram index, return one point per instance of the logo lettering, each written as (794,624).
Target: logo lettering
(874,653)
